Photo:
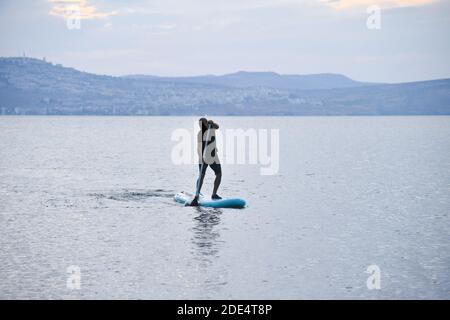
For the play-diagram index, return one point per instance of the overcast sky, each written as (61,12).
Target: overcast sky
(193,37)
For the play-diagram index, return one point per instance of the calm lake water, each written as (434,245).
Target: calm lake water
(97,193)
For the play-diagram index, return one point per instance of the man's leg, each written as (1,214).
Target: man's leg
(218,171)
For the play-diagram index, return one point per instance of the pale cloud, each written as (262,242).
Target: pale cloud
(206,7)
(67,8)
(345,4)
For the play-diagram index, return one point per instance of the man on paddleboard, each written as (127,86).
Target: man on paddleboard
(207,156)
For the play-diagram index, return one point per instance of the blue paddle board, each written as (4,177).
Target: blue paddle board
(186,198)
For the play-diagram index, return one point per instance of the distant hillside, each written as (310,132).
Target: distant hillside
(274,80)
(32,86)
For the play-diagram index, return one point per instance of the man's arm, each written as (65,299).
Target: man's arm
(213,124)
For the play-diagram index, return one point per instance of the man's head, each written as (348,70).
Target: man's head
(203,123)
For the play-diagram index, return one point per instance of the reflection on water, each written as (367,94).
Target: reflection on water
(205,234)
(206,250)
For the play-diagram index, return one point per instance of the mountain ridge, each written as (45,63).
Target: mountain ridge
(265,78)
(33,86)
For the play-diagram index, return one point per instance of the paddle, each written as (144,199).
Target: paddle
(201,174)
